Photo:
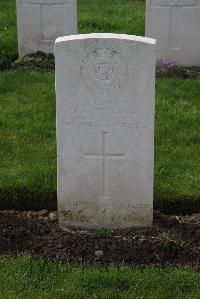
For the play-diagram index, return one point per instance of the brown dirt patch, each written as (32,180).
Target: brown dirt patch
(171,240)
(182,72)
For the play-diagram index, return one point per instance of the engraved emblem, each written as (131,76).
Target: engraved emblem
(104,70)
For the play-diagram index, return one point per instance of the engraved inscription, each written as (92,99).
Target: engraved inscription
(104,156)
(104,71)
(85,204)
(91,123)
(102,113)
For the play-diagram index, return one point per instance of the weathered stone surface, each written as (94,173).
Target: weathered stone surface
(40,22)
(175,24)
(105,130)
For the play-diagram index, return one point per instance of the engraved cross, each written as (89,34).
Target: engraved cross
(104,156)
(175,19)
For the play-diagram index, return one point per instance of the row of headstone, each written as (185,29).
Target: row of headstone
(174,23)
(105,90)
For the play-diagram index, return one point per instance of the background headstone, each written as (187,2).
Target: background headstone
(176,26)
(105,130)
(40,22)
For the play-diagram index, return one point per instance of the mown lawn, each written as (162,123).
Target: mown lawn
(27,143)
(23,278)
(28,146)
(118,16)
(8,33)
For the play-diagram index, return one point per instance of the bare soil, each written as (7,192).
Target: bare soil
(182,72)
(172,240)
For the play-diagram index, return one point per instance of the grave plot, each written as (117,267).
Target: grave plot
(172,240)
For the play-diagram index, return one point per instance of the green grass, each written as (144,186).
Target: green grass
(120,16)
(177,140)
(8,32)
(28,146)
(22,278)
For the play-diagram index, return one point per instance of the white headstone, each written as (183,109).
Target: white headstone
(40,22)
(176,26)
(105,130)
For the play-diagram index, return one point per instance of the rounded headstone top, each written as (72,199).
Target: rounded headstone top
(135,38)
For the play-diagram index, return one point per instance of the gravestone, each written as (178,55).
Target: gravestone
(40,22)
(176,26)
(105,130)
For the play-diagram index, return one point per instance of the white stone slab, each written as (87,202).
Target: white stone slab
(40,22)
(176,26)
(105,130)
